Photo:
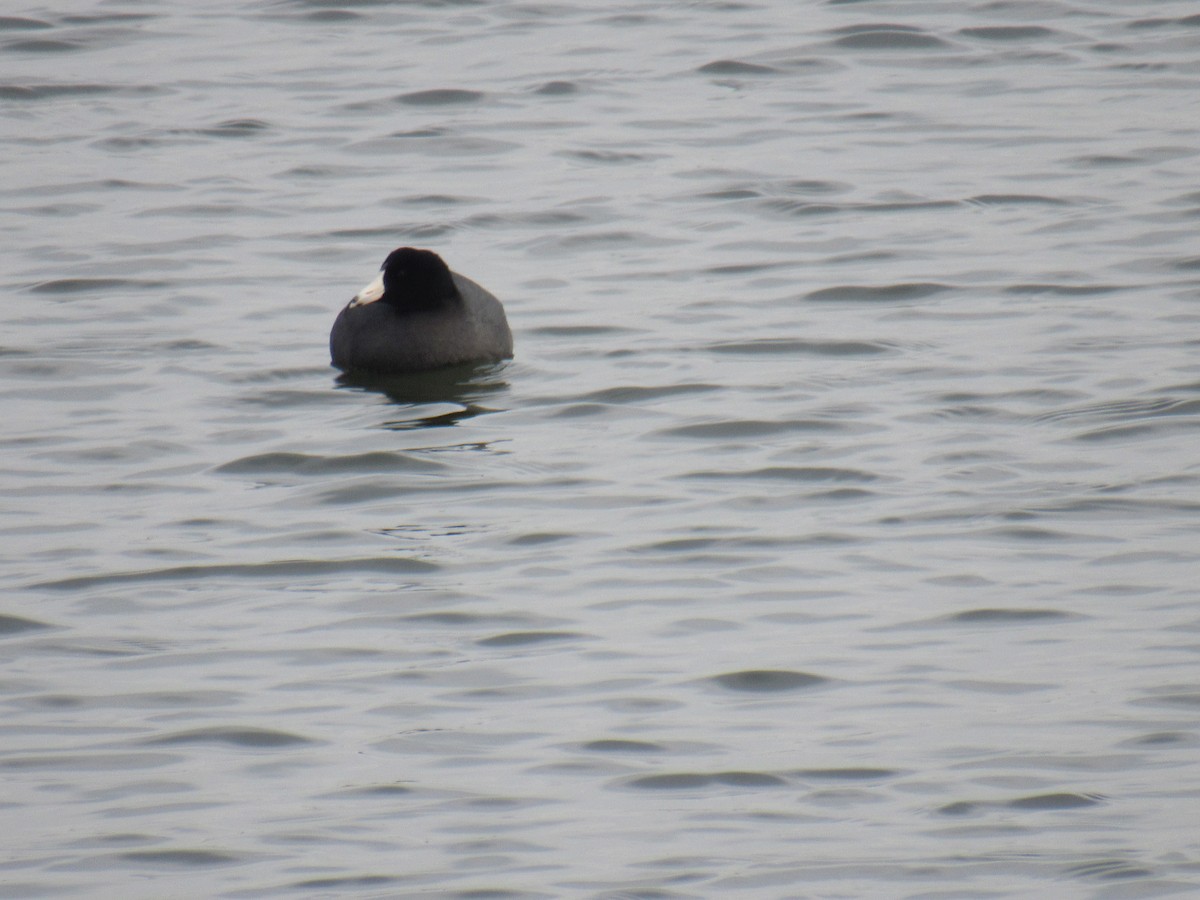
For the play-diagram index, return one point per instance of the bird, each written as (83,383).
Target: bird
(418,315)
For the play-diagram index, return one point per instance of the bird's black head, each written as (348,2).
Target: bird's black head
(411,280)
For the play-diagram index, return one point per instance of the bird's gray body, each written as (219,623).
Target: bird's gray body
(376,337)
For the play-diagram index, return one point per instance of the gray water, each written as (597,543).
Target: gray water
(833,533)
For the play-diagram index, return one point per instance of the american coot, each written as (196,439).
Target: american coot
(419,315)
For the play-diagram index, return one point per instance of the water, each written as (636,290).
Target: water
(832,534)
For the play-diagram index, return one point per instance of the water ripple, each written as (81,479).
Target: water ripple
(767,680)
(283,569)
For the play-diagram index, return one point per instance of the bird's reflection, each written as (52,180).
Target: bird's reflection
(434,399)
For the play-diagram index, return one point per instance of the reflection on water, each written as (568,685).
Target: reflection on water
(425,396)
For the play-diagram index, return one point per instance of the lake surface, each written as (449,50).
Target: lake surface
(834,532)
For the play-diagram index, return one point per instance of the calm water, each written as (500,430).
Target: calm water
(833,534)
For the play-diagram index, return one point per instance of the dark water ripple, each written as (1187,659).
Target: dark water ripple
(842,494)
(767,681)
(258,738)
